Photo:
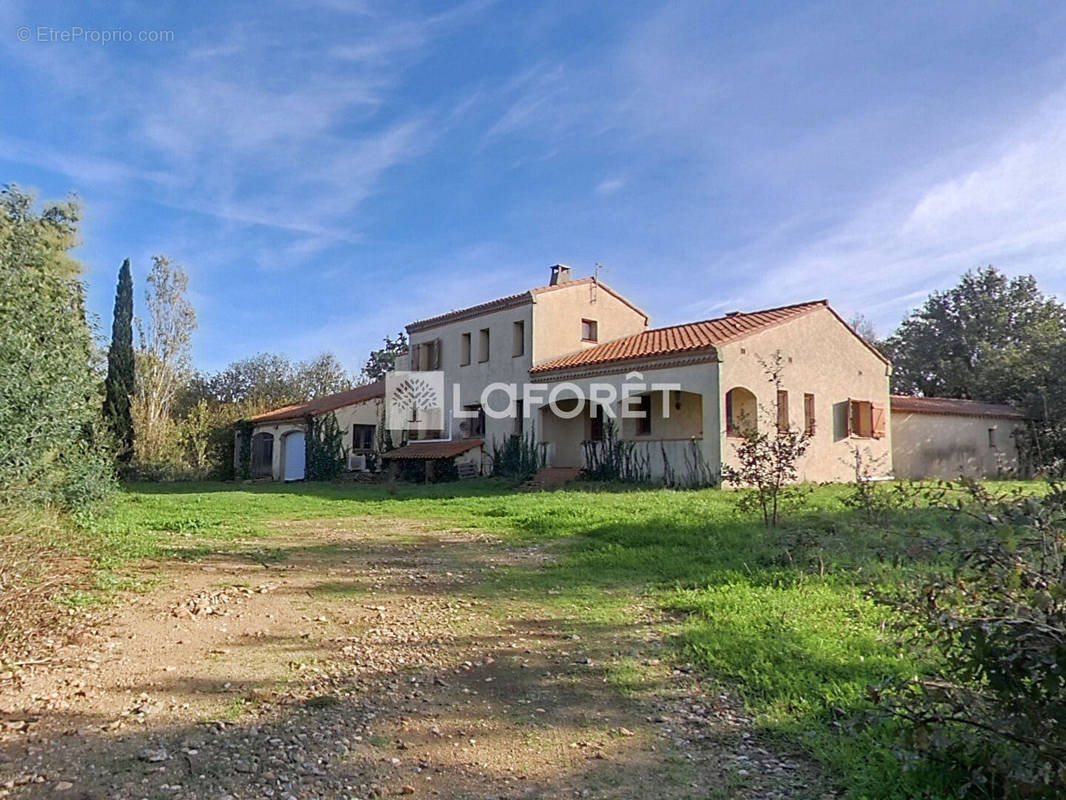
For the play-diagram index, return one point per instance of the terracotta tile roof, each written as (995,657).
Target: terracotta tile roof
(685,338)
(511,301)
(322,405)
(425,451)
(953,406)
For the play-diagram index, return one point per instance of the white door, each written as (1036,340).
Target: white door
(294,456)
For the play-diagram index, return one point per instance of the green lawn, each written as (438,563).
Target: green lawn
(783,616)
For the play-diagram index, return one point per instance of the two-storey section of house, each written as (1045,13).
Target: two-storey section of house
(498,342)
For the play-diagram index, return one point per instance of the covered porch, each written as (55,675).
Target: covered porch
(649,433)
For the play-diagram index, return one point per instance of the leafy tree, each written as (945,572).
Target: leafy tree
(163,359)
(49,399)
(990,338)
(321,376)
(119,386)
(384,360)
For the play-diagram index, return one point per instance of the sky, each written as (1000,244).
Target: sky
(327,171)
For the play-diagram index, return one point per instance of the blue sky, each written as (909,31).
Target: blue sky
(328,171)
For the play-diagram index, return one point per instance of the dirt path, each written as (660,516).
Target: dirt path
(364,658)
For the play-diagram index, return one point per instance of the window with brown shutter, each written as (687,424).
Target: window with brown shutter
(808,414)
(782,410)
(435,354)
(589,330)
(877,421)
(861,419)
(416,357)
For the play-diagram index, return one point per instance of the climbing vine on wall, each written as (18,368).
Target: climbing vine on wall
(326,453)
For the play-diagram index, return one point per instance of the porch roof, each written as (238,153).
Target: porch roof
(678,339)
(427,451)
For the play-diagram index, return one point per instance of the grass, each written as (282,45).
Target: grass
(783,616)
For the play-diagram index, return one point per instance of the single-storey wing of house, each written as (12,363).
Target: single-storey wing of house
(278,438)
(939,437)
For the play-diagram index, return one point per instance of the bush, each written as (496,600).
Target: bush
(49,397)
(996,710)
(517,459)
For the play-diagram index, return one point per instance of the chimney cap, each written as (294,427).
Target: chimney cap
(560,274)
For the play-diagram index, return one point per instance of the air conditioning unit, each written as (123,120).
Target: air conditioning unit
(466,427)
(357,463)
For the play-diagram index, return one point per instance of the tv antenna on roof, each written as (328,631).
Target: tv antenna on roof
(595,281)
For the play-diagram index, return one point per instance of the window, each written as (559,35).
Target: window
(464,350)
(518,339)
(363,437)
(782,410)
(992,437)
(426,356)
(865,420)
(483,345)
(519,416)
(644,420)
(808,414)
(589,330)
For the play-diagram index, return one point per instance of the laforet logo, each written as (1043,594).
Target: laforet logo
(415,400)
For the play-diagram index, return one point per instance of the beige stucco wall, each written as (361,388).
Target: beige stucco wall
(824,358)
(557,319)
(947,446)
(365,413)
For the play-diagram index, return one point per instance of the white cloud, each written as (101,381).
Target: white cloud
(610,185)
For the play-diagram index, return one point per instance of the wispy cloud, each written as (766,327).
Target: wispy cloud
(610,185)
(1006,205)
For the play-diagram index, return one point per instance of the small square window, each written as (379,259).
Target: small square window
(589,330)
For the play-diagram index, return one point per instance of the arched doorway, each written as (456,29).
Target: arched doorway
(263,455)
(293,456)
(741,412)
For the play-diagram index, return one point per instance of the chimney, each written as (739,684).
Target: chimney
(560,274)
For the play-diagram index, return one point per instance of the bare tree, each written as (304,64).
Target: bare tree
(164,356)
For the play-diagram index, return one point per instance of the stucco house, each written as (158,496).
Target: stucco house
(938,437)
(278,437)
(583,337)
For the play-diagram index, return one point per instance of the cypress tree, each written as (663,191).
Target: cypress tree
(119,385)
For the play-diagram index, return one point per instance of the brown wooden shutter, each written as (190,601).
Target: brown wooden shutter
(416,357)
(849,416)
(436,354)
(782,410)
(878,422)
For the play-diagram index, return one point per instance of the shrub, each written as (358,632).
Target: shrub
(767,458)
(996,711)
(517,459)
(614,459)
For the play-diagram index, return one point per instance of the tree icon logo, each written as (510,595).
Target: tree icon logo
(414,400)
